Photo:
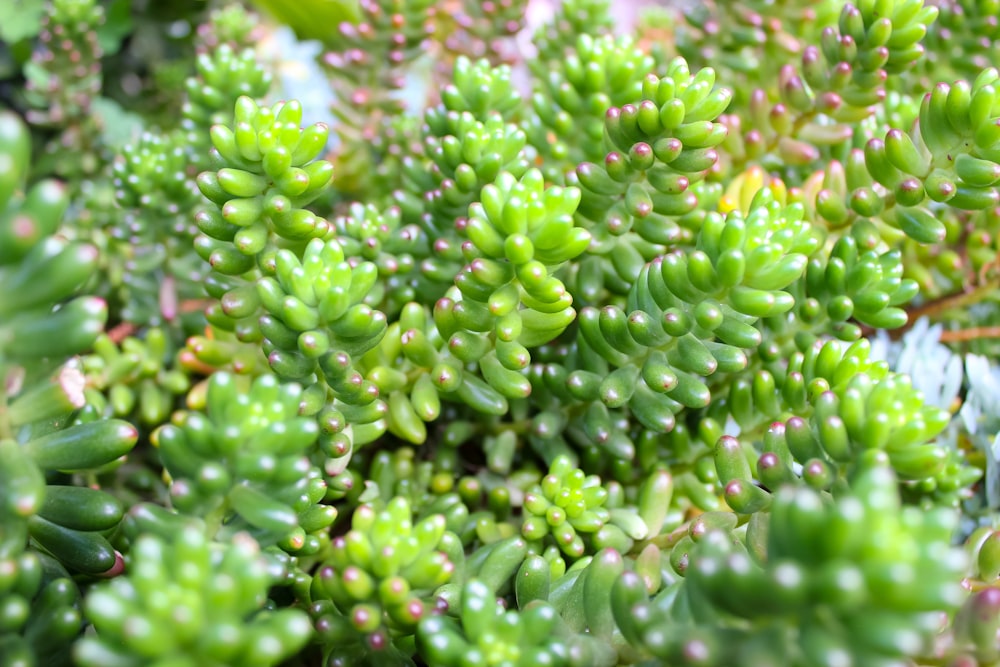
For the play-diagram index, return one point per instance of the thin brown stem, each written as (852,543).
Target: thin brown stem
(949,301)
(972,333)
(943,304)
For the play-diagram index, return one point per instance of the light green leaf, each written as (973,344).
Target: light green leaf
(20,19)
(313,19)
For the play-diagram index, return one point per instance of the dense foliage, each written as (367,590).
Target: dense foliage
(408,333)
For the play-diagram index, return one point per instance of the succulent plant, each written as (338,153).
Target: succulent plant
(670,343)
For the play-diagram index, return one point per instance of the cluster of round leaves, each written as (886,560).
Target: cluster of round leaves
(64,78)
(689,315)
(269,174)
(567,126)
(486,634)
(521,233)
(964,38)
(952,156)
(389,32)
(222,75)
(230,24)
(871,41)
(315,304)
(370,234)
(150,233)
(482,28)
(367,64)
(749,41)
(135,378)
(377,580)
(827,406)
(854,284)
(244,464)
(659,147)
(838,83)
(568,505)
(572,18)
(68,74)
(191,601)
(865,576)
(152,175)
(468,140)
